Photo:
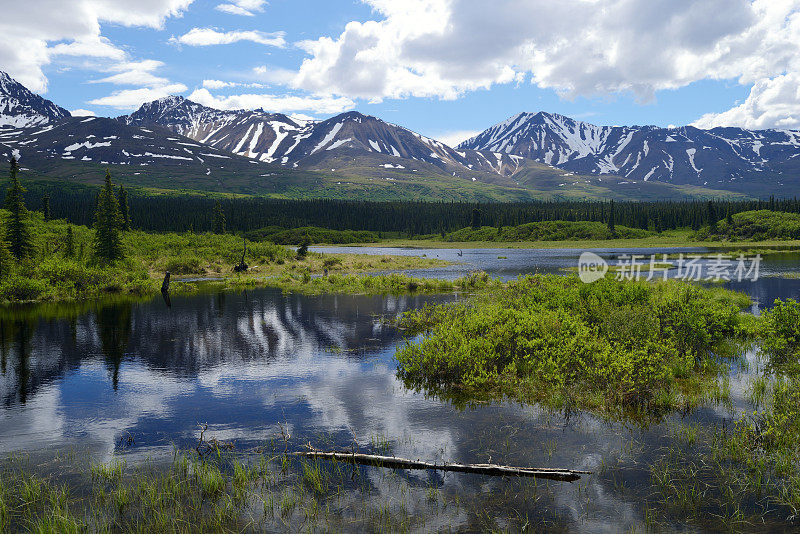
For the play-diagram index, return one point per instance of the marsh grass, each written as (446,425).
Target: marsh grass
(228,492)
(394,283)
(54,275)
(745,473)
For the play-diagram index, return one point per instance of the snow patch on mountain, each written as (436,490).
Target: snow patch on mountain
(640,152)
(20,108)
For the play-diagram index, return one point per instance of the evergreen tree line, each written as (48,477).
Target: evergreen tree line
(205,213)
(16,239)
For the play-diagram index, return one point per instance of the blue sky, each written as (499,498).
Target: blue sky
(445,68)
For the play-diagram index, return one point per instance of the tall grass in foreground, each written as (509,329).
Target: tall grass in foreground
(750,467)
(226,492)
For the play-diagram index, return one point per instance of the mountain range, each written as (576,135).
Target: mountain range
(723,158)
(174,143)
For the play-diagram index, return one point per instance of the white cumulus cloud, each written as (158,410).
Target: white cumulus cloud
(247,8)
(211,36)
(772,103)
(444,48)
(274,103)
(32,33)
(129,99)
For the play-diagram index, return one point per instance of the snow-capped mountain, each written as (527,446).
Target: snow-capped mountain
(686,155)
(253,134)
(346,139)
(353,134)
(95,143)
(507,153)
(176,143)
(20,108)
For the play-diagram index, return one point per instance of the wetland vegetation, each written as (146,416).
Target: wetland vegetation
(621,355)
(761,225)
(62,268)
(610,347)
(747,472)
(227,492)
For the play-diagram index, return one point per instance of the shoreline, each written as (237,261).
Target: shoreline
(671,241)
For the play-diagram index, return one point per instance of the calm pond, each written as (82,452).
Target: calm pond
(136,379)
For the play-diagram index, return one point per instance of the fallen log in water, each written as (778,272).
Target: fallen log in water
(567,475)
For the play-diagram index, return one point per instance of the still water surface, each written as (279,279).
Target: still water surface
(137,378)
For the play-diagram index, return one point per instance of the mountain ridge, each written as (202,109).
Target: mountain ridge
(277,138)
(529,155)
(684,155)
(21,108)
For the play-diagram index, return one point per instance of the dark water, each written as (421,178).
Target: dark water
(138,378)
(507,264)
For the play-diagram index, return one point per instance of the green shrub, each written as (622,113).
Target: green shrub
(757,225)
(609,345)
(781,331)
(184,265)
(546,231)
(22,288)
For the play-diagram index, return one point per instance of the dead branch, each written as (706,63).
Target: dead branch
(566,475)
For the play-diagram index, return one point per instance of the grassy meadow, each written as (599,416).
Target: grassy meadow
(55,274)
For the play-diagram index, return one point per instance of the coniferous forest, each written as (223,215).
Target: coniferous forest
(196,212)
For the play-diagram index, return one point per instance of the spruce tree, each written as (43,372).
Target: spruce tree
(69,243)
(476,219)
(712,216)
(302,250)
(18,234)
(123,208)
(219,219)
(612,223)
(108,222)
(46,206)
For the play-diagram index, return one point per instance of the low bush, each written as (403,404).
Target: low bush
(607,346)
(546,231)
(781,332)
(757,225)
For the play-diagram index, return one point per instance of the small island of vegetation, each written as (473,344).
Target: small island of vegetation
(610,347)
